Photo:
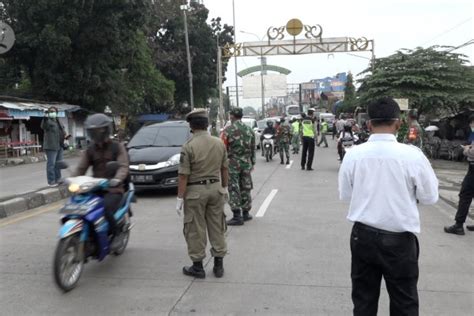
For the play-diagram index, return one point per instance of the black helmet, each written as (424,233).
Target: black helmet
(269,123)
(237,112)
(98,127)
(282,120)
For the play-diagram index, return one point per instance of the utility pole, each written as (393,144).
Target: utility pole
(185,8)
(235,64)
(263,62)
(219,76)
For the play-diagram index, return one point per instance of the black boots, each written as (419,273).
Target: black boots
(218,267)
(456,229)
(247,216)
(196,270)
(287,161)
(236,220)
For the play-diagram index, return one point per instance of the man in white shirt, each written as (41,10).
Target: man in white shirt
(383,179)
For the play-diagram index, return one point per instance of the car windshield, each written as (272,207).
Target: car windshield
(261,124)
(160,136)
(294,110)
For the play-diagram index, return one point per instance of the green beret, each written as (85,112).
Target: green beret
(199,112)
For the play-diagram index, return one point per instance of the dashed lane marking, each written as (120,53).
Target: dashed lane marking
(266,203)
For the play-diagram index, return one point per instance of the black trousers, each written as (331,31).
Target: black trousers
(377,253)
(308,150)
(465,196)
(111,205)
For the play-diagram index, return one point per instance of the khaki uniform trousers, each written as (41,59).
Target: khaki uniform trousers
(204,211)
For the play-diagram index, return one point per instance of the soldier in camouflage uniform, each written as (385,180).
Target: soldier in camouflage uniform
(283,136)
(240,142)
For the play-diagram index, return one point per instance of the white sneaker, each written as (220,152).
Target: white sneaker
(53,185)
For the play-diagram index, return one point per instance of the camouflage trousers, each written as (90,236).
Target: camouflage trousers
(240,186)
(295,142)
(284,147)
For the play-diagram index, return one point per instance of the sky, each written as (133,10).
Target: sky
(392,24)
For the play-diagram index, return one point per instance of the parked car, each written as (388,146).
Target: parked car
(154,153)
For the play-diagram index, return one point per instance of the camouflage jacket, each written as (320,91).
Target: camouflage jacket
(284,133)
(240,142)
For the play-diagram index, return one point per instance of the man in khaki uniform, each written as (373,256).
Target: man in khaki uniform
(202,189)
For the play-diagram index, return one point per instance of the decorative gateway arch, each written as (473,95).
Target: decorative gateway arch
(283,41)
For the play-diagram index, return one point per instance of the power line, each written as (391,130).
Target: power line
(470,42)
(447,31)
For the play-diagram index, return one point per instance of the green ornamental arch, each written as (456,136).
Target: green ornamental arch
(253,69)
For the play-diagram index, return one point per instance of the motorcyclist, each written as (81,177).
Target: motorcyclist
(346,138)
(101,151)
(268,130)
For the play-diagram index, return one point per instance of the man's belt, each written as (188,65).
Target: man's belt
(377,230)
(204,182)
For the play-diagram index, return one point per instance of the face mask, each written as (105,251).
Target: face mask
(472,129)
(52,115)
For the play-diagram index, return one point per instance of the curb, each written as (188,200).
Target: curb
(32,200)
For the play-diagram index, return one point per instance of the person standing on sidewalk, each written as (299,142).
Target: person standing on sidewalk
(467,188)
(309,133)
(202,190)
(414,135)
(53,142)
(324,130)
(239,140)
(382,179)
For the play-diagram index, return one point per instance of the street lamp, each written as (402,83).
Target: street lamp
(263,62)
(185,8)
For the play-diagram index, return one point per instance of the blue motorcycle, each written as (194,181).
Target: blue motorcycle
(84,232)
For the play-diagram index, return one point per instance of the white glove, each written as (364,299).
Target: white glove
(226,195)
(179,206)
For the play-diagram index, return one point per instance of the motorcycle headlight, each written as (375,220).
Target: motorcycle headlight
(73,187)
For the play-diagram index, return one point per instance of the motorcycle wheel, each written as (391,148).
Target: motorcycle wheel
(267,155)
(124,236)
(67,264)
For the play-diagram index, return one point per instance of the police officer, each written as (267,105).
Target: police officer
(202,188)
(284,137)
(295,130)
(307,125)
(240,143)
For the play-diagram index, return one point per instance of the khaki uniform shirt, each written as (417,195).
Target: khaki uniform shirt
(202,157)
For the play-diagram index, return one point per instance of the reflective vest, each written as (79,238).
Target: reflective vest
(324,127)
(296,127)
(308,128)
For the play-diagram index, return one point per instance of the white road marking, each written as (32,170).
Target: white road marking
(266,203)
(289,166)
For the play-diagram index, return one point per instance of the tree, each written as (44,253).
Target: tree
(433,80)
(350,102)
(166,36)
(91,53)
